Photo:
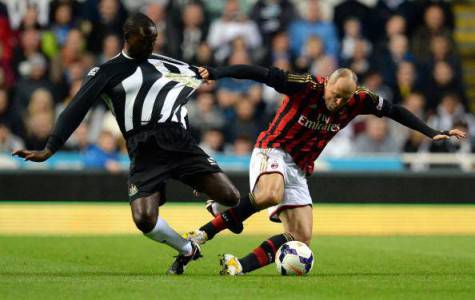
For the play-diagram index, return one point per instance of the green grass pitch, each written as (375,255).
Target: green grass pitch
(132,267)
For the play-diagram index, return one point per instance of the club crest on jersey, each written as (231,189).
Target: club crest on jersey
(212,161)
(93,71)
(274,165)
(133,190)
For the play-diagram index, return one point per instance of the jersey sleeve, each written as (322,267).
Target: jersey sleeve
(290,83)
(282,81)
(372,103)
(93,85)
(376,105)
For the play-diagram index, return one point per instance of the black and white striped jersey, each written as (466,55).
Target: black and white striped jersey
(138,93)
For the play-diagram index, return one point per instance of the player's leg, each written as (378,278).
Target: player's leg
(298,221)
(217,186)
(268,192)
(145,213)
(296,213)
(266,174)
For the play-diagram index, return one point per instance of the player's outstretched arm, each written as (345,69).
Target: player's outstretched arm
(280,80)
(374,104)
(408,119)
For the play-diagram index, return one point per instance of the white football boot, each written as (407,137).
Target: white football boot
(230,265)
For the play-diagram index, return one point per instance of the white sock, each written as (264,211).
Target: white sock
(219,208)
(163,233)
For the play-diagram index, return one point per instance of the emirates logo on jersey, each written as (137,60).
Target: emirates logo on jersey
(322,123)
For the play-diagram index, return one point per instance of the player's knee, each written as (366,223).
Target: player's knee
(145,221)
(230,197)
(304,236)
(271,197)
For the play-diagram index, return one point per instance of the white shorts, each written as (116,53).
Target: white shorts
(273,160)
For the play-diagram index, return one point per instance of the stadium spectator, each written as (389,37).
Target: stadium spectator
(246,122)
(351,9)
(111,46)
(28,13)
(406,81)
(212,142)
(29,46)
(384,9)
(204,55)
(38,128)
(441,49)
(8,141)
(376,139)
(373,80)
(242,146)
(313,58)
(351,36)
(34,71)
(110,20)
(313,24)
(104,155)
(232,24)
(450,111)
(279,49)
(359,61)
(441,82)
(455,145)
(230,90)
(50,47)
(9,115)
(387,61)
(415,103)
(41,101)
(434,25)
(415,143)
(62,22)
(270,97)
(190,34)
(79,141)
(272,17)
(204,115)
(6,41)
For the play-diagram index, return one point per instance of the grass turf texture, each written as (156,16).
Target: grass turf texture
(130,266)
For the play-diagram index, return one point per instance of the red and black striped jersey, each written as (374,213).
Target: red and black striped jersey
(303,125)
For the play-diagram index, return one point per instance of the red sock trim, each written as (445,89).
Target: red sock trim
(218,223)
(271,243)
(261,256)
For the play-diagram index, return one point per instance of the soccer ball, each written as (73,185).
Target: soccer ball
(294,258)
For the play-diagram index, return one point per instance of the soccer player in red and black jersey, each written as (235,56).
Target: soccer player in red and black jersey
(315,110)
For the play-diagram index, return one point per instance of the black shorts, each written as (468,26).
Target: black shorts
(165,152)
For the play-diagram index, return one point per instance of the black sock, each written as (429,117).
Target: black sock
(265,253)
(232,218)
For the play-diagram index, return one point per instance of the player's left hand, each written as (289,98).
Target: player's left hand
(36,156)
(459,134)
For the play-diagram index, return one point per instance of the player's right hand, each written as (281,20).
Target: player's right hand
(33,155)
(204,73)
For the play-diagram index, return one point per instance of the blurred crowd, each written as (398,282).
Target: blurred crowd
(402,50)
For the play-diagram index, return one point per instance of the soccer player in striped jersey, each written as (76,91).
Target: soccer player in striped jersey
(147,92)
(315,110)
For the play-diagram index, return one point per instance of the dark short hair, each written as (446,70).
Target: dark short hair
(137,23)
